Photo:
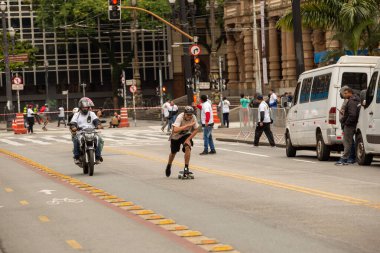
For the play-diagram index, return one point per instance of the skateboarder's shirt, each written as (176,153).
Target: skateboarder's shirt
(181,121)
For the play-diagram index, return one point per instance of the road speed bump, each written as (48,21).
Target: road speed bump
(208,241)
(8,189)
(125,204)
(190,233)
(97,191)
(24,202)
(166,222)
(144,212)
(109,197)
(153,217)
(135,207)
(221,248)
(115,200)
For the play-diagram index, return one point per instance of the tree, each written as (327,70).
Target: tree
(71,18)
(356,22)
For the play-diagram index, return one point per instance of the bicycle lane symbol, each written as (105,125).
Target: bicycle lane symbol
(57,201)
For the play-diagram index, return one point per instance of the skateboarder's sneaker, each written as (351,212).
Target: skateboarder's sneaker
(168,170)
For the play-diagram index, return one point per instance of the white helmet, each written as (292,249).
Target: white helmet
(75,110)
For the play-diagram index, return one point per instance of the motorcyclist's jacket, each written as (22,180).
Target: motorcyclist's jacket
(85,121)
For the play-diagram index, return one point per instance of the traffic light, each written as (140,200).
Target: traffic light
(114,10)
(120,92)
(197,67)
(163,89)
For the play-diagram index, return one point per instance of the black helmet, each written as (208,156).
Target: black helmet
(189,110)
(85,102)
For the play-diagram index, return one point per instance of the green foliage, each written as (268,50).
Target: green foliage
(356,22)
(160,7)
(20,47)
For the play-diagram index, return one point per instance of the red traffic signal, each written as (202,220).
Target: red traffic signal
(196,60)
(114,2)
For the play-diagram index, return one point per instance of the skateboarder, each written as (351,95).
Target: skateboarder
(184,129)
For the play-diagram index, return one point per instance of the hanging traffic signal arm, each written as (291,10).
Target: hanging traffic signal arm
(160,19)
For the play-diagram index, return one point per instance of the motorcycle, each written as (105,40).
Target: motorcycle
(88,141)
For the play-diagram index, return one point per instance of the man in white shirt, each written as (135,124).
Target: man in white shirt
(165,112)
(207,120)
(272,99)
(225,105)
(172,113)
(61,116)
(85,119)
(263,124)
(185,128)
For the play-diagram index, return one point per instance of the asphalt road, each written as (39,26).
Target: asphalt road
(254,199)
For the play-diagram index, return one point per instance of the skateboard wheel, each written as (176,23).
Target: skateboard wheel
(179,176)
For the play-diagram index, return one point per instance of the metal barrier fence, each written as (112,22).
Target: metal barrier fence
(248,118)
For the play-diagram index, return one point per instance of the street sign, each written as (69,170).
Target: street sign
(16,80)
(17,87)
(195,50)
(65,92)
(204,85)
(18,58)
(133,89)
(131,82)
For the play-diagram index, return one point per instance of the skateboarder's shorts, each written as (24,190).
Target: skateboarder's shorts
(175,145)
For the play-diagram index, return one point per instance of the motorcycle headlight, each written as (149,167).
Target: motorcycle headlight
(89,136)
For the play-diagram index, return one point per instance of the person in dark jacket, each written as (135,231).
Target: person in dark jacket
(349,122)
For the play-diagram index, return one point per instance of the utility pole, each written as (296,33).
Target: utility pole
(136,71)
(213,59)
(186,56)
(256,53)
(297,32)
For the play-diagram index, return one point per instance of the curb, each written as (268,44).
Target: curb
(249,142)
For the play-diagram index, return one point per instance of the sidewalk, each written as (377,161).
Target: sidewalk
(236,135)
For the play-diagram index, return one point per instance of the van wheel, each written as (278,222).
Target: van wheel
(291,151)
(361,157)
(323,151)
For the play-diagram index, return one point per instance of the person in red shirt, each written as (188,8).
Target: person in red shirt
(207,120)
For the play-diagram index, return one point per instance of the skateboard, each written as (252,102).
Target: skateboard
(185,175)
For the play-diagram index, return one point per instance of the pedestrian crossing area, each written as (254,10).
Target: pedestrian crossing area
(113,139)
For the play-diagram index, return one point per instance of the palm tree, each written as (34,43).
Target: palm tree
(355,21)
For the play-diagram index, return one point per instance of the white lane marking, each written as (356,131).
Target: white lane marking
(57,201)
(27,139)
(57,139)
(1,206)
(241,152)
(47,192)
(297,160)
(11,142)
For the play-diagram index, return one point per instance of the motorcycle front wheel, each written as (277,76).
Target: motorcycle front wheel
(91,162)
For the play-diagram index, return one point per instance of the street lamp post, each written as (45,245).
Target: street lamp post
(186,56)
(3,8)
(213,60)
(135,67)
(46,65)
(84,88)
(12,34)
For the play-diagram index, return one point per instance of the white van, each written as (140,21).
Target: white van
(313,120)
(368,130)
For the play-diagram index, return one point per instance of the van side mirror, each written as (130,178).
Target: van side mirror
(363,96)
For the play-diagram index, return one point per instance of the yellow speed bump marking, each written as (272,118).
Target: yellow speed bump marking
(221,248)
(166,222)
(208,241)
(144,212)
(115,200)
(43,218)
(24,202)
(97,191)
(74,244)
(109,197)
(154,217)
(125,204)
(8,189)
(272,183)
(190,233)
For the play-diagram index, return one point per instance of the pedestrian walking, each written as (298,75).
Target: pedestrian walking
(207,120)
(264,122)
(349,122)
(30,119)
(165,113)
(225,105)
(36,114)
(61,116)
(44,116)
(185,129)
(173,111)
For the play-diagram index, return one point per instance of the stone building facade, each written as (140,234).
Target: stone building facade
(280,49)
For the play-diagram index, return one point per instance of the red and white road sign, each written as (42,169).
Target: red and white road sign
(195,50)
(133,89)
(16,80)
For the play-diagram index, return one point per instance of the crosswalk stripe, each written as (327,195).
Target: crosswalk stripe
(11,142)
(56,139)
(35,141)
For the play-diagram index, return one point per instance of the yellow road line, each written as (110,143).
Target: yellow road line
(43,218)
(272,183)
(8,189)
(146,214)
(74,244)
(24,202)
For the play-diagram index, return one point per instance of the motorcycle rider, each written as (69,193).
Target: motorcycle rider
(85,119)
